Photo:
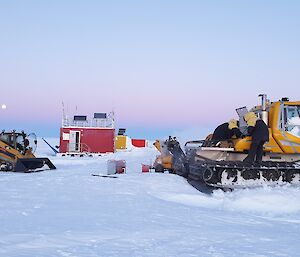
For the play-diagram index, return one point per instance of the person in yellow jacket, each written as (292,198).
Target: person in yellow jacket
(226,131)
(259,131)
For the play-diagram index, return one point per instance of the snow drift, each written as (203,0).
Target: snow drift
(67,212)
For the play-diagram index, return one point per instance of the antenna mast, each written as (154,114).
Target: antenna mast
(65,117)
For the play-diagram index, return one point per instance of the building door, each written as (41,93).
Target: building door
(74,142)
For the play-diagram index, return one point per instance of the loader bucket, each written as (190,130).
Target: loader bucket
(32,164)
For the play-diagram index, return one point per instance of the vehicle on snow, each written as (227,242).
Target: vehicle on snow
(220,164)
(17,153)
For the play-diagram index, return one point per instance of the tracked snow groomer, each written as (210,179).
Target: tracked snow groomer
(17,153)
(220,164)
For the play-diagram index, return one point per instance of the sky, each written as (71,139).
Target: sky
(161,66)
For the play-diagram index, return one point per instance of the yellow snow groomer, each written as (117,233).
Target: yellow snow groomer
(16,153)
(221,165)
(283,120)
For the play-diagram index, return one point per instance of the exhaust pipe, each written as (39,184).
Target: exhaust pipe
(264,113)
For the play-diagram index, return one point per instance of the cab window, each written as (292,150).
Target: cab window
(292,120)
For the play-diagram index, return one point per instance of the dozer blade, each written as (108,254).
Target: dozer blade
(32,164)
(201,186)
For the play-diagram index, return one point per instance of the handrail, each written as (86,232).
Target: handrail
(78,148)
(95,123)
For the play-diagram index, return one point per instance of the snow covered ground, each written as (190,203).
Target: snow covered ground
(68,212)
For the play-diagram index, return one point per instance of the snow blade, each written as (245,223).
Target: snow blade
(201,186)
(32,164)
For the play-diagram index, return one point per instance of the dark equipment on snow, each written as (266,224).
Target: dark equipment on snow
(16,153)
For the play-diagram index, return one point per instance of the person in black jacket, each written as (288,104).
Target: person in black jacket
(259,131)
(226,131)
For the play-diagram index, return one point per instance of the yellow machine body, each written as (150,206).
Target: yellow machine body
(283,144)
(165,160)
(281,140)
(16,153)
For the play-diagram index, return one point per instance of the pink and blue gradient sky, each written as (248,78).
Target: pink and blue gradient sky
(162,66)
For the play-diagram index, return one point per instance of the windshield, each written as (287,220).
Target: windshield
(26,142)
(20,145)
(292,120)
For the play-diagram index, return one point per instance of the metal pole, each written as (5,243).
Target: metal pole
(264,113)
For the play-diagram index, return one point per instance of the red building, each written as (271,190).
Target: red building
(80,135)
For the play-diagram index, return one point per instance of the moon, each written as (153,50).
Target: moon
(3,106)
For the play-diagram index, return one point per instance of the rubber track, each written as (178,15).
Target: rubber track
(270,170)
